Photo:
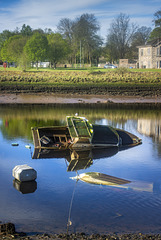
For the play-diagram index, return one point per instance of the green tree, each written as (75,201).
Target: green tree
(82,36)
(58,48)
(12,49)
(4,36)
(157,18)
(36,48)
(26,30)
(156,33)
(85,33)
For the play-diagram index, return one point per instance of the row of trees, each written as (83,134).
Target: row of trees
(76,41)
(23,49)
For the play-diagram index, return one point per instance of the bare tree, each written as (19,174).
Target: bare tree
(139,38)
(120,36)
(65,27)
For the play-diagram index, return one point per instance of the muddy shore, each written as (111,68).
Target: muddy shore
(81,236)
(8,231)
(50,98)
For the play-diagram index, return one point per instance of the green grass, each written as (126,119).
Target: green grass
(49,79)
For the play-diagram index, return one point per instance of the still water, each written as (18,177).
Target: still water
(55,199)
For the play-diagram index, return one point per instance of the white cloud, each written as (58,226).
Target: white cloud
(46,14)
(40,13)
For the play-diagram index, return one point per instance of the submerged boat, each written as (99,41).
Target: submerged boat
(79,133)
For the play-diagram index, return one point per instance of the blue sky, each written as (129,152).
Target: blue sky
(47,13)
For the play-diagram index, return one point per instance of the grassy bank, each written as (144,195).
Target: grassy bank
(92,81)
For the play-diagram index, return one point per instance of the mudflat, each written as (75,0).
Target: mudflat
(51,98)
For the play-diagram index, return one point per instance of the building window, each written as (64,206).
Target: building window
(159,64)
(142,52)
(148,51)
(158,51)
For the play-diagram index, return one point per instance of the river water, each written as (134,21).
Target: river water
(56,203)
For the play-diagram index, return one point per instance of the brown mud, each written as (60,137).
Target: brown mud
(45,94)
(51,98)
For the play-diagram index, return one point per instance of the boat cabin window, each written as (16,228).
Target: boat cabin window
(60,138)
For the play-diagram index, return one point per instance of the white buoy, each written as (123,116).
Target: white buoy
(24,173)
(15,144)
(28,146)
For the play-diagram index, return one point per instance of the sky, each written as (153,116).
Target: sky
(47,13)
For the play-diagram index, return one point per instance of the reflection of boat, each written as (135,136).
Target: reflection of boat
(83,159)
(80,134)
(78,159)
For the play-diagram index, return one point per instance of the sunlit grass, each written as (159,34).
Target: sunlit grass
(93,77)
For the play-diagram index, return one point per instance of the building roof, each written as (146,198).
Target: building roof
(152,43)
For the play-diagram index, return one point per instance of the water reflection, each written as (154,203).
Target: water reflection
(25,187)
(83,159)
(151,128)
(77,159)
(14,118)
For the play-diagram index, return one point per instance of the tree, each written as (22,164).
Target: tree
(156,33)
(157,18)
(36,48)
(58,48)
(120,36)
(4,36)
(13,49)
(139,38)
(82,36)
(85,31)
(26,30)
(65,27)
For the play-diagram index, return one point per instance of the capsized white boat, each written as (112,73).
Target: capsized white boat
(100,179)
(104,179)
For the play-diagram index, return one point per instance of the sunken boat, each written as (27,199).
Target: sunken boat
(79,133)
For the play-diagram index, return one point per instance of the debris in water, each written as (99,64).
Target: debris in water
(28,146)
(15,144)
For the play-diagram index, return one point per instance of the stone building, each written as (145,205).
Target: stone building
(150,54)
(128,63)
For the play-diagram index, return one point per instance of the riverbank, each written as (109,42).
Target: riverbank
(8,231)
(80,86)
(81,236)
(50,98)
